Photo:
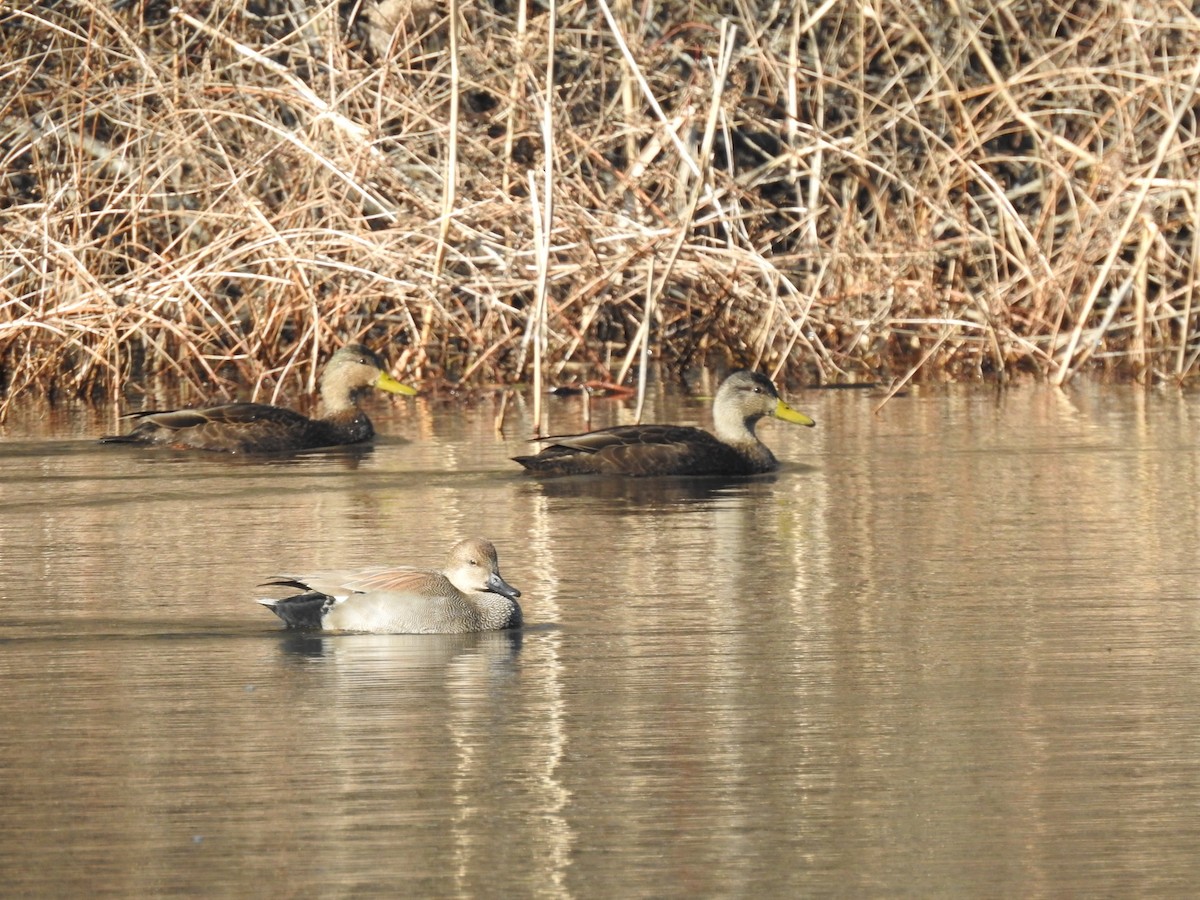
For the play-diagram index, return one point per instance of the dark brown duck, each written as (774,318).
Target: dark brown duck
(262,428)
(732,449)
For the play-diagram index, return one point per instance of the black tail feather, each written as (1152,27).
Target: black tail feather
(301,611)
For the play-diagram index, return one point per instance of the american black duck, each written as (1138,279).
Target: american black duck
(468,595)
(733,449)
(262,428)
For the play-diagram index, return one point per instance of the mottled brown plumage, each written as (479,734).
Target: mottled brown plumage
(639,450)
(261,428)
(468,595)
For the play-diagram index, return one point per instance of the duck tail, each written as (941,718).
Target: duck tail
(301,611)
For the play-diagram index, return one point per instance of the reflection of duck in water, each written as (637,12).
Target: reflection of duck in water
(733,449)
(394,654)
(261,428)
(672,493)
(469,595)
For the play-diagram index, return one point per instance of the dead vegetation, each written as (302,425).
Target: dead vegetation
(208,198)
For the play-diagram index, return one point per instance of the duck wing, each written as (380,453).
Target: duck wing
(231,427)
(628,436)
(390,579)
(226,414)
(398,580)
(636,450)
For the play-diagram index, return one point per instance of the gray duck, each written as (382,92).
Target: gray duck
(468,595)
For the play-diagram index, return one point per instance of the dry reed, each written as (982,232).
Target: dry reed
(205,199)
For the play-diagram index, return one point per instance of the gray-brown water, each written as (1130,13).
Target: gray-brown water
(951,649)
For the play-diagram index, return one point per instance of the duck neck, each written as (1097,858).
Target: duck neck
(337,399)
(737,432)
(732,427)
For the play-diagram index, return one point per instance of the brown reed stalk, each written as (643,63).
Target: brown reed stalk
(451,177)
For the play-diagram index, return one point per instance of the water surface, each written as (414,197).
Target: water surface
(949,649)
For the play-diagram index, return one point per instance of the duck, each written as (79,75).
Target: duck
(469,594)
(732,449)
(262,428)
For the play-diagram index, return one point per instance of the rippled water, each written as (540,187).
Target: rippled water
(950,649)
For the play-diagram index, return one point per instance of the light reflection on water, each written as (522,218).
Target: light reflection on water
(950,648)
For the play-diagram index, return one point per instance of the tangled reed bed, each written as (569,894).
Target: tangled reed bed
(209,197)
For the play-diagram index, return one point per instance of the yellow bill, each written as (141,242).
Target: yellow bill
(785,412)
(386,382)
